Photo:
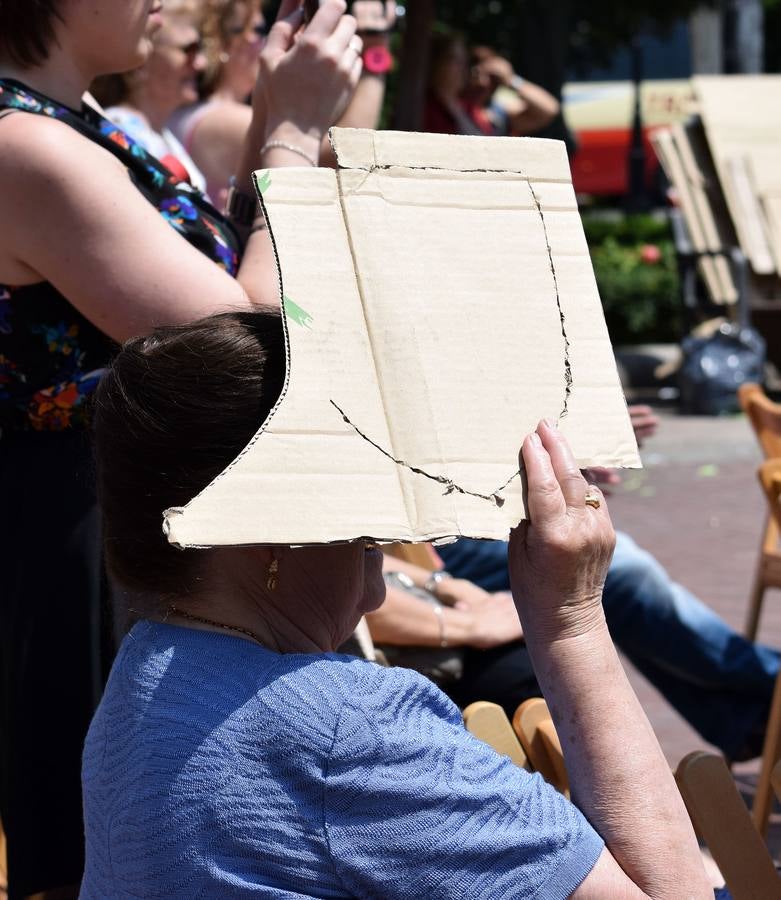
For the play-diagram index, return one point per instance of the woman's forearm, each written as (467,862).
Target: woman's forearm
(406,620)
(258,273)
(618,775)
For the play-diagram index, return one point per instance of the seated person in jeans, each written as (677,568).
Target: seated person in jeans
(234,754)
(721,683)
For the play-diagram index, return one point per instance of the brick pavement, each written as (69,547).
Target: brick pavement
(698,508)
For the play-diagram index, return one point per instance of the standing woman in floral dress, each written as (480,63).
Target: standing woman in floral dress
(101,243)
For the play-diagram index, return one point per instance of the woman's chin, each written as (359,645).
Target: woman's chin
(188,96)
(373,595)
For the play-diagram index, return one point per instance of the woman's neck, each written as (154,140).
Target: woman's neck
(59,78)
(227,89)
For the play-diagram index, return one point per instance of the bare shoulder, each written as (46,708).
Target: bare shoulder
(221,122)
(38,147)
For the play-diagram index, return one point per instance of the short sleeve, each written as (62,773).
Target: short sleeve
(414,806)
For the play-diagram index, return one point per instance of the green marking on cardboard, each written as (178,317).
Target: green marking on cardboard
(263,182)
(296,314)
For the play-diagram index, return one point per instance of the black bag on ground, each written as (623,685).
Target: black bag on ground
(714,367)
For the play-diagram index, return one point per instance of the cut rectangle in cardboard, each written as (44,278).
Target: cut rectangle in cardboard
(439,300)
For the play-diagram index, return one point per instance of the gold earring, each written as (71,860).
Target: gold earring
(273,571)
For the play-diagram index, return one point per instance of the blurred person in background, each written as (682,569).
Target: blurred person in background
(101,243)
(142,101)
(213,129)
(462,92)
(509,104)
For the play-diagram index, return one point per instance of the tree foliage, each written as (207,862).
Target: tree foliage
(593,28)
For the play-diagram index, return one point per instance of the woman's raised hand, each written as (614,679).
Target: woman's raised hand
(307,76)
(559,557)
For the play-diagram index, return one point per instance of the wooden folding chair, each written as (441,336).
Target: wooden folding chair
(533,725)
(765,418)
(719,815)
(489,723)
(770,479)
(775,779)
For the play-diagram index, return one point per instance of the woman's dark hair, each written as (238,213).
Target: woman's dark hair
(27,30)
(441,45)
(109,90)
(171,413)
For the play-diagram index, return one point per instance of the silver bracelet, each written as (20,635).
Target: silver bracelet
(281,145)
(434,580)
(440,614)
(516,82)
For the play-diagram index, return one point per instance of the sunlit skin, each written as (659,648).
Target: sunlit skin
(169,78)
(318,595)
(240,66)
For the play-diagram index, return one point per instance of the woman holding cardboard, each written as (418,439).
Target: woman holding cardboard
(234,754)
(100,243)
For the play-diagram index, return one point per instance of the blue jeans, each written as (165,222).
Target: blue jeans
(718,681)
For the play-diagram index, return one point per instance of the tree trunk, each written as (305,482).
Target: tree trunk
(413,73)
(543,44)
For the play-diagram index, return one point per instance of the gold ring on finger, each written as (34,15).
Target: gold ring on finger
(593,500)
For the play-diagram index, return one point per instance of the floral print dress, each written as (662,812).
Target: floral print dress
(51,357)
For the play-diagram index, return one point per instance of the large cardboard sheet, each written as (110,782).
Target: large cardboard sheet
(742,113)
(439,300)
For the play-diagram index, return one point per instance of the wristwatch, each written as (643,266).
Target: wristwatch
(377,59)
(241,208)
(435,579)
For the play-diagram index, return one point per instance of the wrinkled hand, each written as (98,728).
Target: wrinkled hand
(308,76)
(558,558)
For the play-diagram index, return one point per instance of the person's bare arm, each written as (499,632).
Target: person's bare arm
(540,108)
(375,20)
(406,620)
(216,145)
(618,774)
(71,215)
(304,77)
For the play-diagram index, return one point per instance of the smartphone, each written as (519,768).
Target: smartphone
(310,8)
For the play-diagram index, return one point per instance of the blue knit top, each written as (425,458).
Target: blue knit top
(215,768)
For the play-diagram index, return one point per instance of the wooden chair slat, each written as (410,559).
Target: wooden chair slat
(721,818)
(533,725)
(765,418)
(489,723)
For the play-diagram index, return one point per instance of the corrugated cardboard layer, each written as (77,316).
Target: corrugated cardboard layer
(448,304)
(742,113)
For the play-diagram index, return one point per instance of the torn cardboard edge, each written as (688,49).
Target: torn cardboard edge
(363,438)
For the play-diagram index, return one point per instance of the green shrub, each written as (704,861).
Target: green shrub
(641,298)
